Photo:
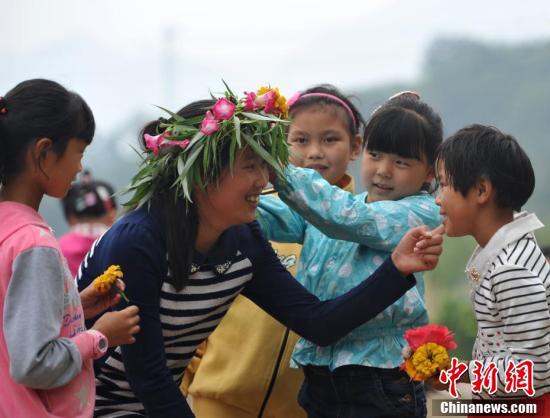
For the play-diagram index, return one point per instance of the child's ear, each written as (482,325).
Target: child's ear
(484,190)
(39,151)
(41,146)
(430,177)
(356,143)
(429,183)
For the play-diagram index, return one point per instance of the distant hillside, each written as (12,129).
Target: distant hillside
(507,86)
(502,85)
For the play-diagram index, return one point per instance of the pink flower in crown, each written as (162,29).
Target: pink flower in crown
(182,144)
(295,97)
(153,142)
(209,124)
(223,109)
(250,102)
(270,97)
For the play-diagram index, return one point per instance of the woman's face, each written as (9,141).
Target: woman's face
(234,199)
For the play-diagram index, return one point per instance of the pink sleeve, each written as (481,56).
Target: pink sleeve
(87,343)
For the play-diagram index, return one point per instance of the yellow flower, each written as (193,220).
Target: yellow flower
(282,105)
(263,90)
(427,360)
(275,100)
(103,283)
(412,372)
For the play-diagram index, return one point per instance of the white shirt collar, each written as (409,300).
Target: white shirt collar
(482,257)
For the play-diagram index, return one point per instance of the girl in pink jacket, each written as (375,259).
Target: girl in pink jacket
(46,352)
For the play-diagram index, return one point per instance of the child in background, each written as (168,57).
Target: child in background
(359,375)
(45,351)
(253,378)
(90,208)
(485,178)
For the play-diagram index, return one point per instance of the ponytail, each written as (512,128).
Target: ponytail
(37,109)
(179,217)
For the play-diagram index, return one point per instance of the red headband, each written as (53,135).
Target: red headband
(297,96)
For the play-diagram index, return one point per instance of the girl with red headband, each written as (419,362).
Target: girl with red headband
(359,375)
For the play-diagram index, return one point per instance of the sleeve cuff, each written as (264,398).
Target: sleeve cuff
(281,183)
(92,344)
(392,270)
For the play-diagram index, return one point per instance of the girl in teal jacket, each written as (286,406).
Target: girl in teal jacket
(359,374)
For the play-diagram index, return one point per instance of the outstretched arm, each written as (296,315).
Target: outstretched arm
(279,222)
(324,322)
(342,215)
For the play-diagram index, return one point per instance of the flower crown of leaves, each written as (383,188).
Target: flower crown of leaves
(190,147)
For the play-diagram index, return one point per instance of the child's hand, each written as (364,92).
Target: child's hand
(119,326)
(424,242)
(95,302)
(418,250)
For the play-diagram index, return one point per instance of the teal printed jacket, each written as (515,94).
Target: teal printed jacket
(344,240)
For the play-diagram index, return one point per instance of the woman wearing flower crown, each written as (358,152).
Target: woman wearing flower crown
(190,245)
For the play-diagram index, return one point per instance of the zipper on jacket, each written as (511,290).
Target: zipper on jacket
(275,372)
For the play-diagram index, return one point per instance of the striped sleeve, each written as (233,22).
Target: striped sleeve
(519,295)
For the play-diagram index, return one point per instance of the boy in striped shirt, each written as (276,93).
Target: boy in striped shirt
(485,178)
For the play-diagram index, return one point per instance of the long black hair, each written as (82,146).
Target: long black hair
(37,109)
(406,126)
(179,217)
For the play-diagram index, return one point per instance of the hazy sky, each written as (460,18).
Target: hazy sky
(124,55)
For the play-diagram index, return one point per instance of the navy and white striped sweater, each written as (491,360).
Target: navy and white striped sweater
(143,379)
(510,281)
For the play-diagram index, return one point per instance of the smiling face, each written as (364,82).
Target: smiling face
(319,139)
(234,199)
(391,177)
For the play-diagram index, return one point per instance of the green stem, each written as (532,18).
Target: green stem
(121,293)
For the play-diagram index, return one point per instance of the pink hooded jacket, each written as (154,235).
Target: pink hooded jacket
(45,351)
